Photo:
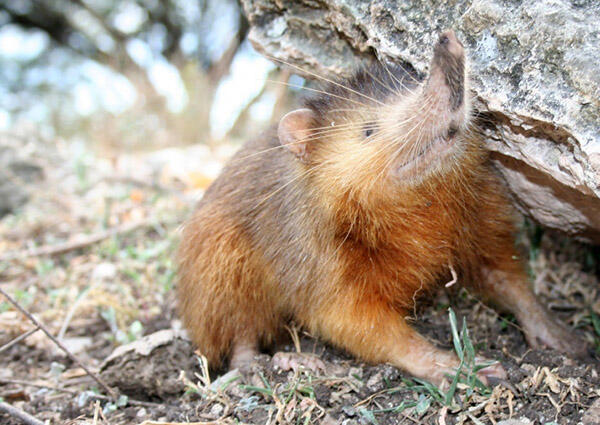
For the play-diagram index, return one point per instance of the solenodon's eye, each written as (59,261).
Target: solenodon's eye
(452,132)
(369,129)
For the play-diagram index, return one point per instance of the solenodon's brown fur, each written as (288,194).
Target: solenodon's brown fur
(342,217)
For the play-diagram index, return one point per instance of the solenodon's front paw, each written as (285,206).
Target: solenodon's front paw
(489,375)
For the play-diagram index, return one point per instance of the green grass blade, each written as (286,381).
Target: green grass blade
(455,337)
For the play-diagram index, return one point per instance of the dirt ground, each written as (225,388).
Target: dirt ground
(90,256)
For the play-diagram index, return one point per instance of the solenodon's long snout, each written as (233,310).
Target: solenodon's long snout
(449,61)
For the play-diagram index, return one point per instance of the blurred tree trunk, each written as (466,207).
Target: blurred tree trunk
(89,30)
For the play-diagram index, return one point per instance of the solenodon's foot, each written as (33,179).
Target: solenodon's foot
(294,361)
(543,330)
(242,356)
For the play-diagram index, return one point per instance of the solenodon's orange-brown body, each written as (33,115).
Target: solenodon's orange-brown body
(356,205)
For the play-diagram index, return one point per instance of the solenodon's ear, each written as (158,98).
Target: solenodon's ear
(294,132)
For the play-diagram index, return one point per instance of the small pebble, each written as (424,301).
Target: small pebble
(216,410)
(349,411)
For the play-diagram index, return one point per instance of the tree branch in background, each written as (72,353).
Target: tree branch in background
(88,30)
(174,31)
(112,31)
(220,68)
(60,30)
(278,76)
(76,244)
(281,95)
(242,118)
(54,24)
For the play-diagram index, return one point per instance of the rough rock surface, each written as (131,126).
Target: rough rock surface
(592,416)
(535,75)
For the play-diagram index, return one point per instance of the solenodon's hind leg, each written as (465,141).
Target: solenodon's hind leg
(503,280)
(508,287)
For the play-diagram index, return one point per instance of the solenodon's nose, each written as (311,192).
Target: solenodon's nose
(449,42)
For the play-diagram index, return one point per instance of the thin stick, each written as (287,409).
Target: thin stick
(67,321)
(19,338)
(96,410)
(293,330)
(96,378)
(77,244)
(217,422)
(137,182)
(19,414)
(101,397)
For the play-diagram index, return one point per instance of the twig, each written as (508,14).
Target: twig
(293,330)
(19,338)
(77,244)
(96,410)
(454,276)
(67,321)
(101,397)
(217,422)
(141,183)
(18,413)
(96,378)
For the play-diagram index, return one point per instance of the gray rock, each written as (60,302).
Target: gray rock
(592,416)
(535,77)
(521,421)
(16,173)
